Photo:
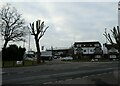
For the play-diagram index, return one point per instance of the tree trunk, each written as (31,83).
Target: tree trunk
(5,44)
(38,51)
(2,64)
(23,62)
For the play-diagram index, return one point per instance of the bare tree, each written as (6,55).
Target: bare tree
(116,35)
(12,26)
(38,30)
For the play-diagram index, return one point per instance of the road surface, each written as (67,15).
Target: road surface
(55,71)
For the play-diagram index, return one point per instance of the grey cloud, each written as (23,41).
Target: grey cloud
(71,21)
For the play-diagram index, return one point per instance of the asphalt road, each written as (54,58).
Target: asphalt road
(56,71)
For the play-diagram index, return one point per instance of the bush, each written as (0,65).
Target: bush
(13,53)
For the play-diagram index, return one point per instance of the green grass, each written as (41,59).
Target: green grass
(8,63)
(14,64)
(29,63)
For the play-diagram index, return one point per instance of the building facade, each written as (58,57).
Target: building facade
(61,52)
(110,52)
(88,49)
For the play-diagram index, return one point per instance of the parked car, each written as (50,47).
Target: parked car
(47,55)
(55,57)
(30,55)
(67,58)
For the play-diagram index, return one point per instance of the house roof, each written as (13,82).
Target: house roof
(95,42)
(88,43)
(109,46)
(59,49)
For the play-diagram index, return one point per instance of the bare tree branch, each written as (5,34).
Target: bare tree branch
(42,33)
(38,31)
(11,24)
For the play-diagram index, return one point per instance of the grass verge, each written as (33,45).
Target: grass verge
(7,64)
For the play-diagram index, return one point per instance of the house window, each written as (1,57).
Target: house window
(78,45)
(84,50)
(96,45)
(91,50)
(113,56)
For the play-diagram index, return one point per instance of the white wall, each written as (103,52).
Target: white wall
(113,50)
(89,50)
(105,50)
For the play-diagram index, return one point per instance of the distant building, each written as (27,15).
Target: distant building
(63,52)
(110,51)
(47,55)
(30,54)
(88,49)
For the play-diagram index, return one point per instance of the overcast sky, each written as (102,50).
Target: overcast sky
(69,22)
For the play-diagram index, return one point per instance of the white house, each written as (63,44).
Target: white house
(88,49)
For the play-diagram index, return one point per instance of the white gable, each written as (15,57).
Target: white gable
(113,50)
